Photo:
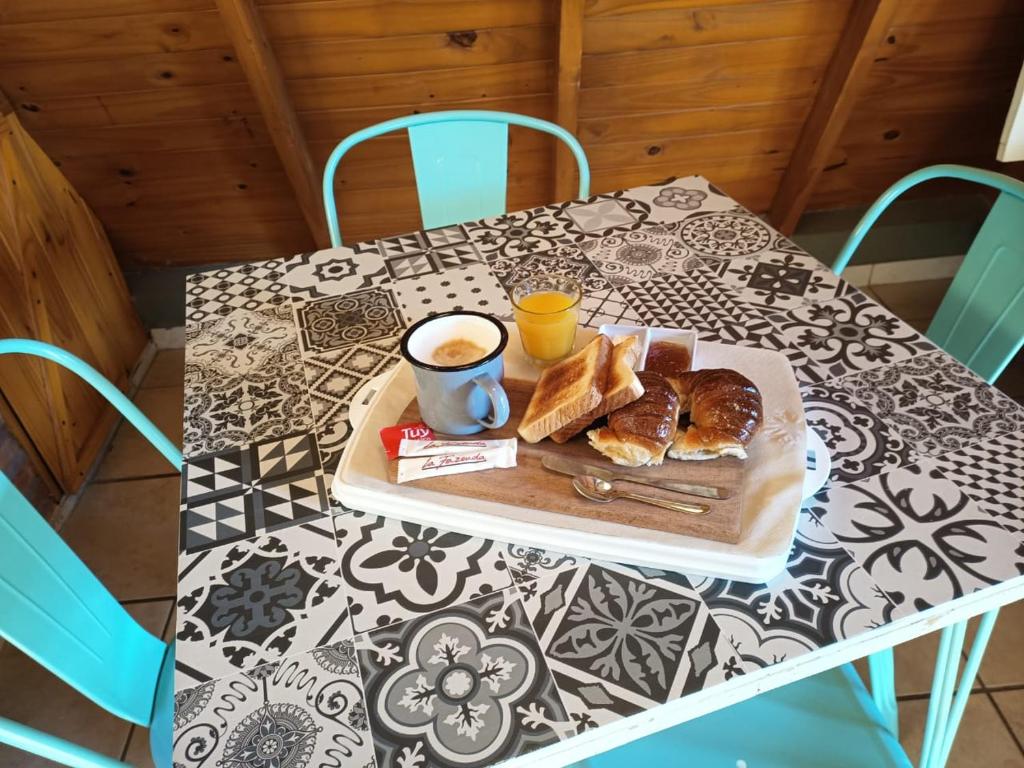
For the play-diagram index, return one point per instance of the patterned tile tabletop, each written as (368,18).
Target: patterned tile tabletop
(313,635)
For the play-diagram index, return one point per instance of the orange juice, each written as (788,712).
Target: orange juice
(547,324)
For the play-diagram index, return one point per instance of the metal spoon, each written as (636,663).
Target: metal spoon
(596,489)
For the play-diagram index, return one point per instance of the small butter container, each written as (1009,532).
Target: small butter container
(681,336)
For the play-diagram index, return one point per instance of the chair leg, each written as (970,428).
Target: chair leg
(883,688)
(944,709)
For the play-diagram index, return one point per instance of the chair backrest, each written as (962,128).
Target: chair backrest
(461,163)
(51,605)
(981,319)
(58,613)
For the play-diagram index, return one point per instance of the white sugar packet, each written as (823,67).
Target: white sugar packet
(409,447)
(419,467)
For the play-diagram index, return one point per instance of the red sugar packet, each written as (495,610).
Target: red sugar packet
(392,437)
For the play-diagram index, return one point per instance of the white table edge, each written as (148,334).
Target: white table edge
(690,706)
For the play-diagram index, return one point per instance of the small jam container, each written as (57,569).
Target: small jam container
(681,336)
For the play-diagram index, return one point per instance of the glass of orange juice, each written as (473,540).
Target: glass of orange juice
(547,313)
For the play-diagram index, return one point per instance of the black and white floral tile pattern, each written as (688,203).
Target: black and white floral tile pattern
(602,215)
(542,577)
(472,651)
(935,403)
(303,711)
(243,380)
(249,286)
(725,234)
(237,493)
(849,334)
(244,604)
(861,444)
(239,341)
(335,271)
(395,570)
(518,234)
(473,287)
(922,539)
(748,329)
(338,322)
(333,379)
(464,686)
(933,377)
(681,198)
(992,473)
(565,260)
(780,281)
(629,640)
(528,564)
(640,254)
(822,597)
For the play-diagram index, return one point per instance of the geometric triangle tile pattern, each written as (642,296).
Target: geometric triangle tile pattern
(401,245)
(292,501)
(409,265)
(216,522)
(694,300)
(238,493)
(446,235)
(218,473)
(454,256)
(285,456)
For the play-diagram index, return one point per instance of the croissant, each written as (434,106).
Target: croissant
(641,432)
(725,409)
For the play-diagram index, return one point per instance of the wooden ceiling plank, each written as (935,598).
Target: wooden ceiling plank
(567,93)
(245,30)
(844,78)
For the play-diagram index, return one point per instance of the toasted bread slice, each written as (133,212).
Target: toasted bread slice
(621,388)
(567,390)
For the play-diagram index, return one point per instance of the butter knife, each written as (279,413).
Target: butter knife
(570,467)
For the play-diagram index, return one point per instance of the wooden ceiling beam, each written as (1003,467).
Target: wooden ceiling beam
(252,48)
(843,81)
(567,93)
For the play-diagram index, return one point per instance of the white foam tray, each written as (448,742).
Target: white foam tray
(774,481)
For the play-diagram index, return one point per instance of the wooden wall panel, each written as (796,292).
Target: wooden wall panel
(147,110)
(60,284)
(350,19)
(937,92)
(499,56)
(21,11)
(720,90)
(110,36)
(160,72)
(371,56)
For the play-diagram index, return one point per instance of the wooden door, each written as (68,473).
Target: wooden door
(60,283)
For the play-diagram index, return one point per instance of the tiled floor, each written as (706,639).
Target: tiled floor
(125,529)
(134,483)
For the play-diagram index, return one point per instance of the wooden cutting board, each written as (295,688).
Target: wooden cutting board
(531,485)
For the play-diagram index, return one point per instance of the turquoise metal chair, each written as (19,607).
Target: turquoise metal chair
(461,163)
(980,322)
(57,612)
(824,720)
(829,719)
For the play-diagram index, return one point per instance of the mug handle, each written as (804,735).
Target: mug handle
(499,401)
